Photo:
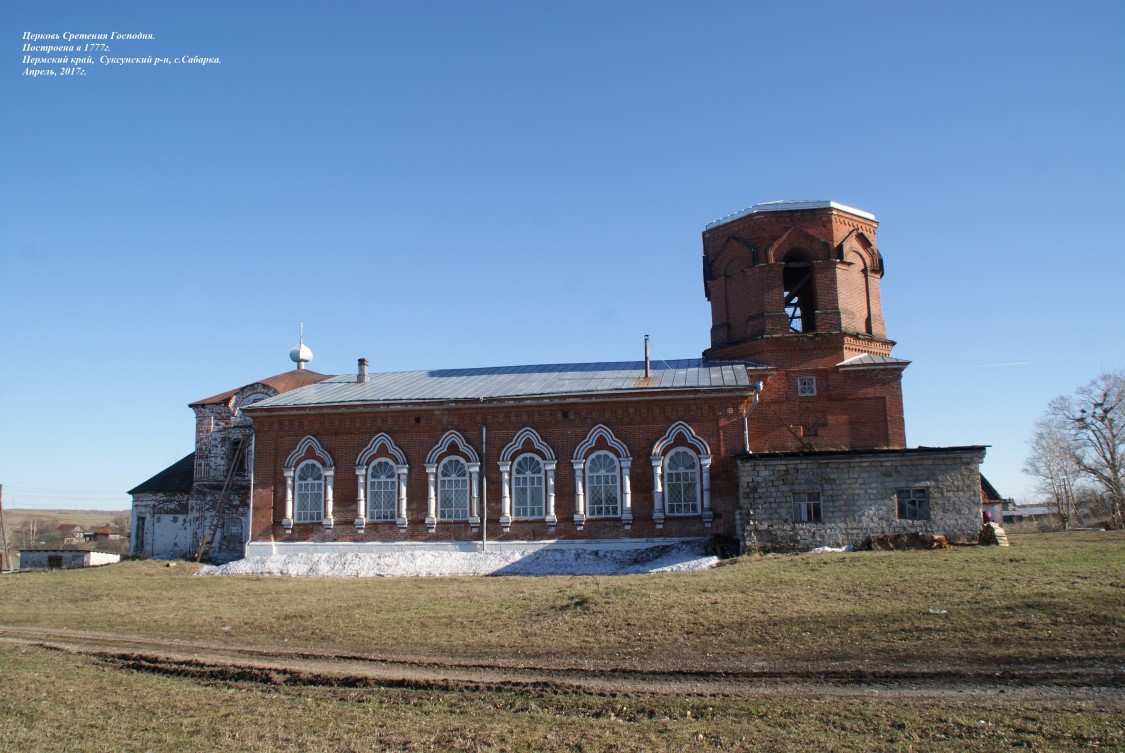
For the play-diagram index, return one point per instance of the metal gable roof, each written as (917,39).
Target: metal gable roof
(518,381)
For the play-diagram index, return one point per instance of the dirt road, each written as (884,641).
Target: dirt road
(228,662)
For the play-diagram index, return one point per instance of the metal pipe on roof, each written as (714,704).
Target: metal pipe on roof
(361,376)
(648,362)
(483,488)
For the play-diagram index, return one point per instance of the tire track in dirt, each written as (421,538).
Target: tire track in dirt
(213,662)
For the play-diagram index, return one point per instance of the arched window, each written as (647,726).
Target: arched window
(799,283)
(527,487)
(381,490)
(681,482)
(309,493)
(453,489)
(603,486)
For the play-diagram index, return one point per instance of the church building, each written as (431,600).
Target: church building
(787,433)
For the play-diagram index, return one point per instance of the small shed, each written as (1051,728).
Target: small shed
(64,559)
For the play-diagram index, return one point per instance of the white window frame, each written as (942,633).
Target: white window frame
(382,491)
(671,481)
(596,485)
(808,507)
(527,485)
(304,489)
(444,489)
(806,386)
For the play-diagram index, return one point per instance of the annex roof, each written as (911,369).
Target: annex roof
(520,381)
(988,491)
(920,450)
(788,205)
(290,380)
(177,477)
(868,360)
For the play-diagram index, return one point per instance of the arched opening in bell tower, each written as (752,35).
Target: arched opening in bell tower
(799,292)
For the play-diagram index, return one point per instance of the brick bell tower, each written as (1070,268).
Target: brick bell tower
(795,285)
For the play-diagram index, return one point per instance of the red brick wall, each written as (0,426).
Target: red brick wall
(638,424)
(744,261)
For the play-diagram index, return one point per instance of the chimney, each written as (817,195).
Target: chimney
(648,367)
(361,377)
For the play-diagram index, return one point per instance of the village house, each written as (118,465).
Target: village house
(70,534)
(788,432)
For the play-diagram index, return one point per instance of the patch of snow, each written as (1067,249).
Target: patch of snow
(824,549)
(421,563)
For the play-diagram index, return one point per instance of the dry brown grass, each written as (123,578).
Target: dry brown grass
(53,702)
(1050,597)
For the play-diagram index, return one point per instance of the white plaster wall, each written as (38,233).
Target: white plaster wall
(168,537)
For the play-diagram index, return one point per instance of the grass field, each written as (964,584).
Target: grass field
(1055,599)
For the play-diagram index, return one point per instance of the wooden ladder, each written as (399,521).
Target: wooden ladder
(217,521)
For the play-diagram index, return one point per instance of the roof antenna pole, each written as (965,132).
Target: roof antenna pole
(648,362)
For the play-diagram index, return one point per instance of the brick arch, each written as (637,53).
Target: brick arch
(381,441)
(735,255)
(521,438)
(858,243)
(447,440)
(309,444)
(683,430)
(603,432)
(795,239)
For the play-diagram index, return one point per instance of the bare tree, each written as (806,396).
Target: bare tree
(1054,463)
(30,532)
(1095,419)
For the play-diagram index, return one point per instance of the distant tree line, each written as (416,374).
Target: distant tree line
(1077,453)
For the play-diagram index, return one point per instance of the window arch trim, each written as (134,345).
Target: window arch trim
(309,442)
(681,430)
(681,435)
(520,439)
(601,431)
(446,441)
(582,453)
(379,444)
(308,449)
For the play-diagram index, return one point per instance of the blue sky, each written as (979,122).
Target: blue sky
(486,183)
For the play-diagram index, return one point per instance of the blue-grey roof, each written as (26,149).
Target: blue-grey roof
(788,206)
(869,360)
(519,381)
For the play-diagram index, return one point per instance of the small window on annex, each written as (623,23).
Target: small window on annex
(806,386)
(807,506)
(913,504)
(381,490)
